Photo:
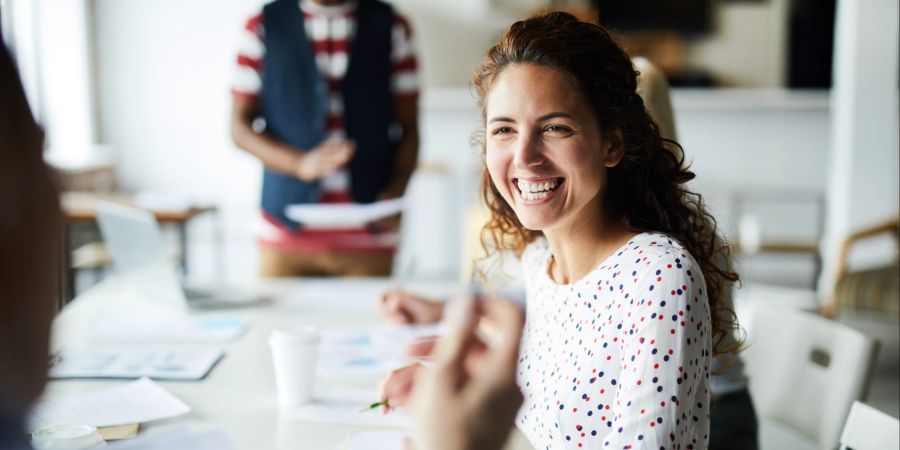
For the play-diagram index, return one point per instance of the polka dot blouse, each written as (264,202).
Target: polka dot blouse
(620,358)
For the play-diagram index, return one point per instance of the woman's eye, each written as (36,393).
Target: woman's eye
(559,129)
(501,131)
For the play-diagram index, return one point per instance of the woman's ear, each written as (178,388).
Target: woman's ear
(615,148)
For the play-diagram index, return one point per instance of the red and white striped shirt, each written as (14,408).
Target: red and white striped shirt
(330,30)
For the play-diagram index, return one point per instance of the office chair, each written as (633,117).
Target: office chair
(805,372)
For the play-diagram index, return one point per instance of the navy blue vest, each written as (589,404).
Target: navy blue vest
(294,99)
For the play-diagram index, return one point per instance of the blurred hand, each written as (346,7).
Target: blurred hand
(328,157)
(469,399)
(402,307)
(398,385)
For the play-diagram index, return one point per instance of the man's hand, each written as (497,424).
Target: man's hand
(328,157)
(469,399)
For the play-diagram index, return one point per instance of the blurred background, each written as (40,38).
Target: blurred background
(787,111)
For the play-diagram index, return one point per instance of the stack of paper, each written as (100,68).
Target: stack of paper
(136,402)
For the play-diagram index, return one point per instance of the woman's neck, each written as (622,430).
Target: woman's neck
(577,249)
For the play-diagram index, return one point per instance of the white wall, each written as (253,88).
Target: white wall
(163,72)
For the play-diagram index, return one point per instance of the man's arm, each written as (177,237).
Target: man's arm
(407,114)
(278,156)
(273,154)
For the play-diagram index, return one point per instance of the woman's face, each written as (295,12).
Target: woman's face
(544,150)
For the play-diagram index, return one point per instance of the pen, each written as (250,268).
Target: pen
(375,405)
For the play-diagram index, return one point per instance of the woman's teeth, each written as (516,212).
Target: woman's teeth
(536,191)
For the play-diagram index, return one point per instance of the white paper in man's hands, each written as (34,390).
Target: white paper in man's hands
(342,215)
(140,401)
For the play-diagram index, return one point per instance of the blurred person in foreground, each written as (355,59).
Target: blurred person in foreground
(30,246)
(325,96)
(468,399)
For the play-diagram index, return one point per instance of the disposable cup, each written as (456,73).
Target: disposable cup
(294,354)
(67,437)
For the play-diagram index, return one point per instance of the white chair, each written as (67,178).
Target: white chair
(870,429)
(805,373)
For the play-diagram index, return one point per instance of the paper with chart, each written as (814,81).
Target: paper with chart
(370,351)
(345,407)
(342,215)
(159,364)
(136,402)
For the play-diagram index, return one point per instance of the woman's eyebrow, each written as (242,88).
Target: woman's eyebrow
(501,119)
(555,115)
(547,116)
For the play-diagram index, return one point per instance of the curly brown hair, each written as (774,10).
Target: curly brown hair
(646,190)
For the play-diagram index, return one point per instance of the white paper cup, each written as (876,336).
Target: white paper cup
(67,437)
(294,354)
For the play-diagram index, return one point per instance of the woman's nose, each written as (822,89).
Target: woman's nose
(528,152)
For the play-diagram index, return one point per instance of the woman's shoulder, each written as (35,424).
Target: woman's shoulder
(655,250)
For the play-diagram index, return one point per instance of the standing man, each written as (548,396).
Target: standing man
(326,97)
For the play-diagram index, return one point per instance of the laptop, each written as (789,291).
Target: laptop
(140,254)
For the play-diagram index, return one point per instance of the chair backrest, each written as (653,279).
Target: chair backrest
(870,429)
(806,371)
(653,88)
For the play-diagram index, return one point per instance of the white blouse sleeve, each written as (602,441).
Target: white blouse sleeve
(662,397)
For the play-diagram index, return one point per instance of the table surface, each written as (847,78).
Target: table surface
(78,206)
(239,394)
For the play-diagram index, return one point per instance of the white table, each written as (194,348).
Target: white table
(239,394)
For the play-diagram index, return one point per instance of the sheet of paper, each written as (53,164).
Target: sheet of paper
(342,215)
(369,351)
(178,438)
(378,440)
(187,329)
(158,364)
(136,402)
(344,408)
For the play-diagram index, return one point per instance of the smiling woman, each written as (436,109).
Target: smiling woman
(542,149)
(623,268)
